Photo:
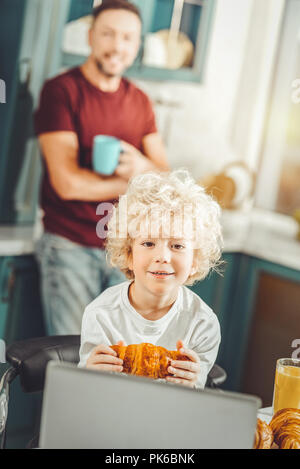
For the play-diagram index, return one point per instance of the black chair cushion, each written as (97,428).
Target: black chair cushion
(30,357)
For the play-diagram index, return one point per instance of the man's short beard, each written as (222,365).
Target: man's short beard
(103,71)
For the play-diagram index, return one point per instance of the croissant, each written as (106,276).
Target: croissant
(285,425)
(263,435)
(147,359)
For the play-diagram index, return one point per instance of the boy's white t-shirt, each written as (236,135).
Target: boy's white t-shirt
(111,317)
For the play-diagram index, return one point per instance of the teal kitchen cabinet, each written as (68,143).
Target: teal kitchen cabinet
(263,324)
(20,318)
(258,305)
(192,18)
(28,31)
(20,305)
(14,113)
(218,291)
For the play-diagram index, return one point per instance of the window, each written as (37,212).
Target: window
(278,185)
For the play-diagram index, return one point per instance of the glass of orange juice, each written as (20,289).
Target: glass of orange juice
(287,384)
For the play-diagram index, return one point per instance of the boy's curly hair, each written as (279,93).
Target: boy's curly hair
(170,204)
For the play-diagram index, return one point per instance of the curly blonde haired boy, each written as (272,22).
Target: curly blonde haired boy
(164,234)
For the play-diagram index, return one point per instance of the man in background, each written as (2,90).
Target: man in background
(74,107)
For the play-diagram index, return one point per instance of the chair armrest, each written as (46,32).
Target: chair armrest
(216,377)
(30,357)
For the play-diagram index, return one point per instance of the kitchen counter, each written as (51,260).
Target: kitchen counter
(18,240)
(263,234)
(267,235)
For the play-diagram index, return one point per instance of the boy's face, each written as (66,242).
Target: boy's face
(161,265)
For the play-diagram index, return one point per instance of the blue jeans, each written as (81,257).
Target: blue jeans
(71,277)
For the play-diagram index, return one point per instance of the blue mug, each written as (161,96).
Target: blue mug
(106,153)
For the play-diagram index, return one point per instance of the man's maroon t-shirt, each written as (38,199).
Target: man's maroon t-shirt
(70,102)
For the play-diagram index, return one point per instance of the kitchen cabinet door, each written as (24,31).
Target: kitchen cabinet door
(218,291)
(28,31)
(11,26)
(20,318)
(274,332)
(6,281)
(263,324)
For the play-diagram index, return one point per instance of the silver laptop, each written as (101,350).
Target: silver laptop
(91,409)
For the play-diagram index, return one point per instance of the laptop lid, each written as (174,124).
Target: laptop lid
(91,409)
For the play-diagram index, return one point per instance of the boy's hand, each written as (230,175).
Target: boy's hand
(184,372)
(105,358)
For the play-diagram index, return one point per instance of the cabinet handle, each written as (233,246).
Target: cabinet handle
(9,286)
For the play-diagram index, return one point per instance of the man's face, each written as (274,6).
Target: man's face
(115,40)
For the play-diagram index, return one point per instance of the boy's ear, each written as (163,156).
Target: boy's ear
(193,268)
